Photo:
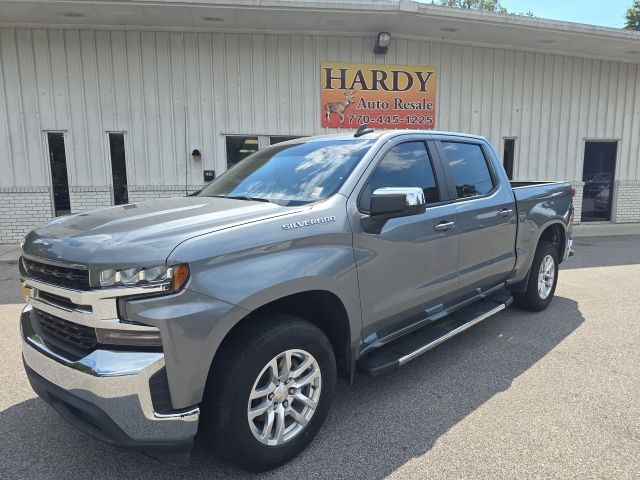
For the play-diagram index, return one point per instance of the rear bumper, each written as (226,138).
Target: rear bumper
(107,395)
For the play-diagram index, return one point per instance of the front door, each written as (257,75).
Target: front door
(406,267)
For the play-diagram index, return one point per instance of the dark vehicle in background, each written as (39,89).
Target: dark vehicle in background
(597,183)
(232,312)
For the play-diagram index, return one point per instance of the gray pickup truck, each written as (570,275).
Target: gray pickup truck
(232,312)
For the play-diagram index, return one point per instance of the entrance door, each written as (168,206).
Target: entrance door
(598,174)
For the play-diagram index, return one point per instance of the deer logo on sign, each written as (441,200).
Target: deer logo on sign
(339,107)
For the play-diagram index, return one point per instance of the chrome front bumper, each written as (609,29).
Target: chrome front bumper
(114,388)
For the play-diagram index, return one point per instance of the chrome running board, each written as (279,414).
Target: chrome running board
(414,344)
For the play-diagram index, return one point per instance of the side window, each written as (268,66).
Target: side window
(469,169)
(405,165)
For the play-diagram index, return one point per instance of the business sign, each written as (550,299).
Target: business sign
(383,96)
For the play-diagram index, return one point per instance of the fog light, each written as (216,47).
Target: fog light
(139,338)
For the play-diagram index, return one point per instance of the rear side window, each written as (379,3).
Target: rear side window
(469,169)
(405,165)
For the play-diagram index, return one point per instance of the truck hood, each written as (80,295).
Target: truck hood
(143,233)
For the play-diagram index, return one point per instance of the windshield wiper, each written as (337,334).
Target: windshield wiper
(255,199)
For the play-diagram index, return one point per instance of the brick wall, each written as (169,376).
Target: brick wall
(140,193)
(627,201)
(22,209)
(89,198)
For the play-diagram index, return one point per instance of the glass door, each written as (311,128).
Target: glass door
(598,174)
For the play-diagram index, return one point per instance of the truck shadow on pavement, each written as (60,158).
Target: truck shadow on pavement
(375,426)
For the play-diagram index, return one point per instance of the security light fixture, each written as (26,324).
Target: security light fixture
(382,43)
(196,154)
(448,29)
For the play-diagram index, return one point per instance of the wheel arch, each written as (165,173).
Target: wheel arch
(554,232)
(320,306)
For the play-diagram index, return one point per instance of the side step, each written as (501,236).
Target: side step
(413,344)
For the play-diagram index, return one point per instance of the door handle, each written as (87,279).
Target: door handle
(506,212)
(444,226)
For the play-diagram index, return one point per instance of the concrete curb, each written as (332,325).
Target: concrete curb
(605,229)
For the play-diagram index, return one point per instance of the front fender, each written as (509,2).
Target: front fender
(241,270)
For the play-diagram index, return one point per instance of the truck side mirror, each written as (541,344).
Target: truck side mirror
(397,202)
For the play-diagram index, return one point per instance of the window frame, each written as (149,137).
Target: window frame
(436,167)
(453,193)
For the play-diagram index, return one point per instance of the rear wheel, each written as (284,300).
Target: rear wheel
(269,391)
(542,282)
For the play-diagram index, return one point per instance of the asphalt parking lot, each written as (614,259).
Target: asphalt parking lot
(549,395)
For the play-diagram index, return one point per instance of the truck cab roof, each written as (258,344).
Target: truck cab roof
(383,134)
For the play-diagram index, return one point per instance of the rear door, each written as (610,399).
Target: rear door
(406,266)
(486,213)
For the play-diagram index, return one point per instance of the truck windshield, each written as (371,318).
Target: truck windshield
(291,174)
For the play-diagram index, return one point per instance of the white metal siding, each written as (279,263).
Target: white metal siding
(172,92)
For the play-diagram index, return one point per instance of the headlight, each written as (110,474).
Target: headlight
(174,277)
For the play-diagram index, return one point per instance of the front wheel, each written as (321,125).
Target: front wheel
(542,280)
(270,391)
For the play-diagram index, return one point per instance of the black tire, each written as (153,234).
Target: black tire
(236,367)
(530,299)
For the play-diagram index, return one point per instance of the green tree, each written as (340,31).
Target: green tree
(484,5)
(633,16)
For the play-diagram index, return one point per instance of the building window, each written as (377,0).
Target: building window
(239,148)
(279,139)
(118,169)
(59,178)
(507,156)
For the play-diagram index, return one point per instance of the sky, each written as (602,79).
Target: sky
(608,13)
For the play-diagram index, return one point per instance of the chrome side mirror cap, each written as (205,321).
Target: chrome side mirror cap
(397,201)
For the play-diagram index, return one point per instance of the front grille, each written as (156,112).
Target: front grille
(74,278)
(62,302)
(71,340)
